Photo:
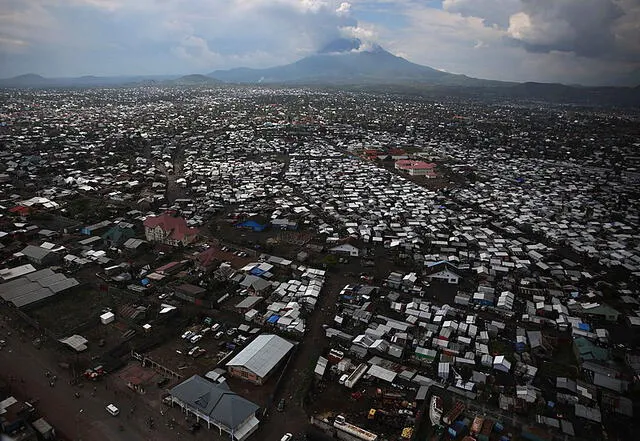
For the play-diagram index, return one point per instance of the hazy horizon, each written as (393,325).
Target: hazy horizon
(573,41)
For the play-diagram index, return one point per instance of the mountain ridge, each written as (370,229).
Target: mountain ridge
(351,64)
(344,63)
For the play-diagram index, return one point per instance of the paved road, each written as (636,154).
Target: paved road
(83,418)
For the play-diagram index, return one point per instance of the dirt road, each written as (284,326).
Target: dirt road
(84,418)
(300,370)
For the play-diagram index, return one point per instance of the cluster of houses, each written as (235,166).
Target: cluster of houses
(531,248)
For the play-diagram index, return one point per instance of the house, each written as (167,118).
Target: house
(169,229)
(216,405)
(585,350)
(14,417)
(398,154)
(91,230)
(444,271)
(603,311)
(284,224)
(255,283)
(35,287)
(500,363)
(117,235)
(257,361)
(40,256)
(345,248)
(190,292)
(416,168)
(252,225)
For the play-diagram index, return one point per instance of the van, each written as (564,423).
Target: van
(343,379)
(215,327)
(113,410)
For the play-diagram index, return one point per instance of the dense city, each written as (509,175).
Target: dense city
(265,263)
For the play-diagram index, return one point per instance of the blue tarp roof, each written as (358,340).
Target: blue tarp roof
(257,271)
(255,226)
(273,319)
(584,327)
(145,282)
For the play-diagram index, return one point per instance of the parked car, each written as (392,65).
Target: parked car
(193,350)
(286,437)
(195,338)
(113,410)
(219,335)
(215,327)
(231,331)
(188,334)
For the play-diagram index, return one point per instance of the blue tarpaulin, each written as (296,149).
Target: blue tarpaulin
(257,271)
(145,282)
(273,319)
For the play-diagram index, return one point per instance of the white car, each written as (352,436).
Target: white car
(195,338)
(187,334)
(193,350)
(286,437)
(113,410)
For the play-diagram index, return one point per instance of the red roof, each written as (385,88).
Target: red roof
(397,152)
(20,209)
(175,225)
(408,164)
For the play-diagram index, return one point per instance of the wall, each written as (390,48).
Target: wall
(245,374)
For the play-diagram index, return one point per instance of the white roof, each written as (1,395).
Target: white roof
(382,373)
(262,354)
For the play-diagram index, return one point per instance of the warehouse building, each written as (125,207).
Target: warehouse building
(259,359)
(35,287)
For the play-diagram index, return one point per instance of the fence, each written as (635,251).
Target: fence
(148,362)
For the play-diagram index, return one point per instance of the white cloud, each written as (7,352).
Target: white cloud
(569,40)
(344,9)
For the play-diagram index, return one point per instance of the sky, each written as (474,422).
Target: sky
(568,41)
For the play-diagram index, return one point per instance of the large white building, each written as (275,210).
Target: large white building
(259,359)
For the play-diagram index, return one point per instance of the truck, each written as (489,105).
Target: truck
(476,426)
(459,428)
(341,423)
(454,413)
(356,375)
(94,373)
(487,428)
(389,398)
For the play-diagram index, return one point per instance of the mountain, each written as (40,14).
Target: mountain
(346,62)
(37,81)
(27,80)
(194,80)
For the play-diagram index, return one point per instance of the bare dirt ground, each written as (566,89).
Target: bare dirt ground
(83,418)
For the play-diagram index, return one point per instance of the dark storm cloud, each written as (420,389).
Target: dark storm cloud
(588,28)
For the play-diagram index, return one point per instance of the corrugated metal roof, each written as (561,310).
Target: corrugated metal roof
(214,400)
(262,354)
